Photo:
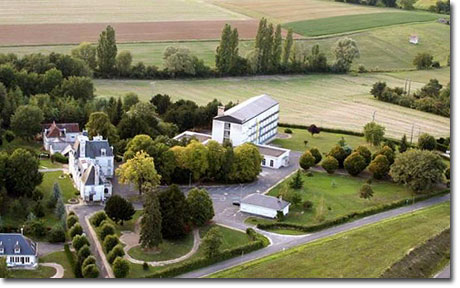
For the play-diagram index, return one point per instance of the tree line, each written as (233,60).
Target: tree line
(442,7)
(432,98)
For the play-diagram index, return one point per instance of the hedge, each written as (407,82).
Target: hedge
(201,262)
(70,256)
(349,217)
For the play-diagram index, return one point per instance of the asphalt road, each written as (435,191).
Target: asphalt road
(445,273)
(295,241)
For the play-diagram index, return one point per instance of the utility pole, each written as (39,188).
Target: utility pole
(411,134)
(410,82)
(373,116)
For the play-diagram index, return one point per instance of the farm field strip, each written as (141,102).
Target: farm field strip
(281,11)
(361,253)
(385,48)
(35,34)
(90,11)
(350,23)
(339,101)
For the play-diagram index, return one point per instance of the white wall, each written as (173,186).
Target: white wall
(32,261)
(106,164)
(257,210)
(278,162)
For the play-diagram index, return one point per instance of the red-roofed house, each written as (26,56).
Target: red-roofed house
(60,137)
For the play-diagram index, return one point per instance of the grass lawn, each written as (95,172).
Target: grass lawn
(324,141)
(67,189)
(361,253)
(169,249)
(324,100)
(349,23)
(60,258)
(231,239)
(40,272)
(331,202)
(46,163)
(127,225)
(109,11)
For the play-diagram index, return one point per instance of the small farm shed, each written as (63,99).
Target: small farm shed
(263,205)
(413,39)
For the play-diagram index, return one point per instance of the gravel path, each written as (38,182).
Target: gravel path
(58,267)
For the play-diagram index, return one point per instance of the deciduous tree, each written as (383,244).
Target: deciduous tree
(119,209)
(200,206)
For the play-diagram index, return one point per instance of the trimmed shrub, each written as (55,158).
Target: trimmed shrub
(330,164)
(306,160)
(288,131)
(90,271)
(366,191)
(426,142)
(315,153)
(58,157)
(145,266)
(388,152)
(83,253)
(79,241)
(338,153)
(354,164)
(57,234)
(365,152)
(323,129)
(109,242)
(9,136)
(307,205)
(88,261)
(72,219)
(117,251)
(120,267)
(98,217)
(75,230)
(105,230)
(379,167)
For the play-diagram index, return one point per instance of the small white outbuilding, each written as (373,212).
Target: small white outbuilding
(263,205)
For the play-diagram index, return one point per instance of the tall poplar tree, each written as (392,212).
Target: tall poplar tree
(107,51)
(287,47)
(277,48)
(150,235)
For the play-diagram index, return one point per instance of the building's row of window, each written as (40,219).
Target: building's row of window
(272,163)
(267,135)
(19,260)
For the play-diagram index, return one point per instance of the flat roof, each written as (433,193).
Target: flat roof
(201,137)
(265,201)
(271,150)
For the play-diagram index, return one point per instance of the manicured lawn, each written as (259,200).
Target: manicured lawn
(324,141)
(335,195)
(337,101)
(341,24)
(362,253)
(46,163)
(127,225)
(169,249)
(40,272)
(60,258)
(67,189)
(231,239)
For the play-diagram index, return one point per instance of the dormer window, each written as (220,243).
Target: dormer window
(2,250)
(103,152)
(17,248)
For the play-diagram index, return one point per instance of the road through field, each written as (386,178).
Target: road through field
(296,241)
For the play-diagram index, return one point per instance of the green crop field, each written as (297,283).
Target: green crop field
(89,11)
(382,49)
(349,23)
(425,4)
(362,253)
(338,101)
(280,11)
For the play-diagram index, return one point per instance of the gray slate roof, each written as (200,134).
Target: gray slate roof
(93,148)
(9,241)
(265,201)
(89,177)
(248,109)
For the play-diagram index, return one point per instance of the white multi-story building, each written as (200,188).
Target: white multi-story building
(91,164)
(255,121)
(60,137)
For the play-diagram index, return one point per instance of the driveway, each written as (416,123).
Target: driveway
(45,248)
(283,243)
(444,273)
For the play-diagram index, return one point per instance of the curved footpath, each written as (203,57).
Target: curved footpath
(134,241)
(282,243)
(58,267)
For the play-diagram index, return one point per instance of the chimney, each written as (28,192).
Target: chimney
(220,110)
(280,198)
(22,230)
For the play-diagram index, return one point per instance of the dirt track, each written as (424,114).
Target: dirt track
(34,34)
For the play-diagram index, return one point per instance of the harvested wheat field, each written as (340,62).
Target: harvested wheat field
(282,11)
(102,11)
(36,34)
(337,101)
